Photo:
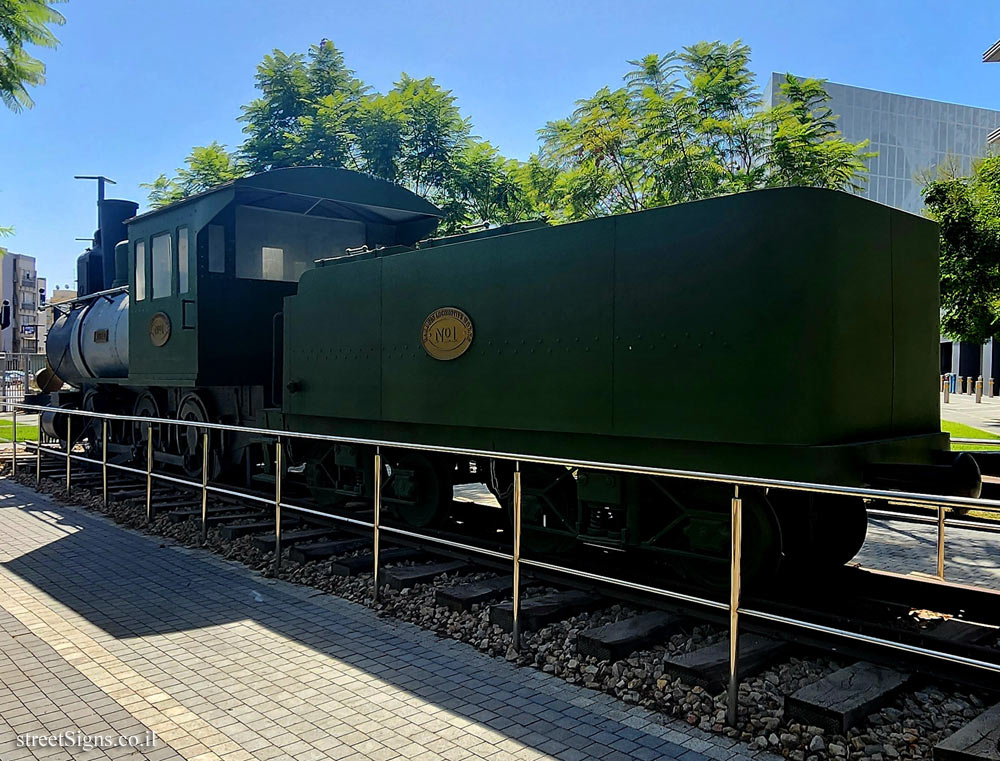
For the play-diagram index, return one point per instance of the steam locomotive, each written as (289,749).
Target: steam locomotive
(788,333)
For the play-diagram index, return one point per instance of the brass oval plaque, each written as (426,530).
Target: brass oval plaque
(447,333)
(159,329)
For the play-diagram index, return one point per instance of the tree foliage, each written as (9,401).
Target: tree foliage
(22,23)
(691,125)
(683,126)
(968,212)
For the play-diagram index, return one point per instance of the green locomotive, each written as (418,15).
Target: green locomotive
(788,333)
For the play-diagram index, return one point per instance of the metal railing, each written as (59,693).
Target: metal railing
(940,503)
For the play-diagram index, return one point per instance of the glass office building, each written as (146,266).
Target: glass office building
(911,135)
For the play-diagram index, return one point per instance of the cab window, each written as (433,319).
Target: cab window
(140,270)
(183,285)
(162,266)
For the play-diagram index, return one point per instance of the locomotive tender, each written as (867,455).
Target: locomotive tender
(788,333)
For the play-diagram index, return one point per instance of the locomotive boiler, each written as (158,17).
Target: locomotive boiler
(788,333)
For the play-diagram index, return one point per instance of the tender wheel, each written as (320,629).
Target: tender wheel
(823,531)
(418,490)
(549,513)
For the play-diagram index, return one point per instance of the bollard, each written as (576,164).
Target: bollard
(732,698)
(13,450)
(149,473)
(961,384)
(375,522)
(277,506)
(204,487)
(969,384)
(990,392)
(515,631)
(946,385)
(69,446)
(940,543)
(979,391)
(104,461)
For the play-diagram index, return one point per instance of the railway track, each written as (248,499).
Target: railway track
(650,651)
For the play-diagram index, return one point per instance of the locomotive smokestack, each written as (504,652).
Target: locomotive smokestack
(96,267)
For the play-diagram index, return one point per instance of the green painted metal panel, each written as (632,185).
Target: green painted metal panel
(915,399)
(756,318)
(540,303)
(331,342)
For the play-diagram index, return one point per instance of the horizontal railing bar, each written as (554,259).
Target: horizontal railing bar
(807,486)
(448,543)
(628,584)
(341,518)
(871,640)
(987,442)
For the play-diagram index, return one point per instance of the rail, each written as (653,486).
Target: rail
(940,503)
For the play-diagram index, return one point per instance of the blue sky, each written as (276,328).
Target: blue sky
(136,83)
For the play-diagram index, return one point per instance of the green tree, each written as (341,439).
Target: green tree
(691,125)
(805,147)
(968,212)
(22,23)
(205,167)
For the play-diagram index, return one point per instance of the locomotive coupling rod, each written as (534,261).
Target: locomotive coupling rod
(104,461)
(515,630)
(940,543)
(13,449)
(204,486)
(732,698)
(376,516)
(69,446)
(277,506)
(149,473)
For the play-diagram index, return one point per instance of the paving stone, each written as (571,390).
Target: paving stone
(842,699)
(979,740)
(622,638)
(463,596)
(537,612)
(709,666)
(103,627)
(401,577)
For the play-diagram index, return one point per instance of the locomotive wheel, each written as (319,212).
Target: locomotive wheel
(688,525)
(549,523)
(418,490)
(190,439)
(146,406)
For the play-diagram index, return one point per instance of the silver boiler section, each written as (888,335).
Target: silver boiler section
(90,338)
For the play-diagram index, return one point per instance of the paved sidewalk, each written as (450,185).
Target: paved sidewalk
(971,556)
(104,631)
(962,408)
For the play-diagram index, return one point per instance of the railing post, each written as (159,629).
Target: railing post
(732,700)
(940,543)
(38,455)
(204,487)
(69,446)
(13,456)
(376,515)
(515,631)
(277,505)
(104,461)
(149,473)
